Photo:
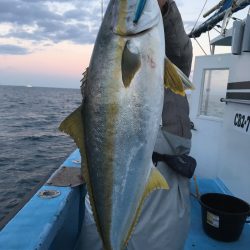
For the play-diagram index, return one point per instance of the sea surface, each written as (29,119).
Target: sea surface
(31,147)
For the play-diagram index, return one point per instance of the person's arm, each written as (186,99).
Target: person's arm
(175,115)
(178,45)
(162,3)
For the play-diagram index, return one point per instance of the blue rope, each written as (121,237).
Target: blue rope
(139,10)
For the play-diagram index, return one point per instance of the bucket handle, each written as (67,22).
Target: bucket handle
(248,219)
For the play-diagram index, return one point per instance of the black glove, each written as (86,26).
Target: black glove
(182,164)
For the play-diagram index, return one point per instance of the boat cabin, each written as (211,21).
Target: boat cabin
(220,111)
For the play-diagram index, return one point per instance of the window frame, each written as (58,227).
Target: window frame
(209,117)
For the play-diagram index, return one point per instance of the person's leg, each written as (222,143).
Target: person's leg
(164,221)
(89,238)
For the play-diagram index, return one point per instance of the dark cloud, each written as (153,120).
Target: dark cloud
(56,33)
(79,14)
(7,49)
(36,21)
(32,1)
(20,12)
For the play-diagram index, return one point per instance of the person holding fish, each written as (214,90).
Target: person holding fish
(168,229)
(131,204)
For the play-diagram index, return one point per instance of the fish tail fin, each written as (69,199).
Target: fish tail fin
(156,181)
(175,79)
(86,175)
(187,84)
(73,126)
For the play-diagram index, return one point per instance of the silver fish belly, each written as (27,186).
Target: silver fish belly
(121,124)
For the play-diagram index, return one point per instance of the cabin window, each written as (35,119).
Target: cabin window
(214,88)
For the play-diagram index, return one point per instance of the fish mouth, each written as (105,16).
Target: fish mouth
(141,33)
(131,18)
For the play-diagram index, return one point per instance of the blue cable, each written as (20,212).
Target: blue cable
(139,10)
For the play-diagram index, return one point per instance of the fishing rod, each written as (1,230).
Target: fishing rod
(225,10)
(216,7)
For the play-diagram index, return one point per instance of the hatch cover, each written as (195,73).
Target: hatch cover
(66,177)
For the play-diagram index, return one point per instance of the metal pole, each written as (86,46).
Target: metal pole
(217,6)
(213,49)
(211,22)
(208,88)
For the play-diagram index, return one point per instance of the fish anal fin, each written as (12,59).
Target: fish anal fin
(172,79)
(156,181)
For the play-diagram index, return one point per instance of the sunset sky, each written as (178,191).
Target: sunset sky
(49,42)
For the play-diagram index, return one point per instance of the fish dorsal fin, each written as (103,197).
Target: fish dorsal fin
(156,181)
(175,79)
(73,126)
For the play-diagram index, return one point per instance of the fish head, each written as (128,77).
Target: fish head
(131,17)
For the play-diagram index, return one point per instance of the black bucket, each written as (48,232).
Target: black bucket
(223,216)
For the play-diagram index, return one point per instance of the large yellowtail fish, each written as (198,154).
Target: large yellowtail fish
(116,126)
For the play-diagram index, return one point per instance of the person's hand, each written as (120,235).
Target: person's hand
(161,3)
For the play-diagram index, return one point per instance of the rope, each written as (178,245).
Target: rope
(200,15)
(216,30)
(200,46)
(209,42)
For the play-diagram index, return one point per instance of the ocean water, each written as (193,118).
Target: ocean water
(31,147)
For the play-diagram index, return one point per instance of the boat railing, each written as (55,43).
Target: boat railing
(227,100)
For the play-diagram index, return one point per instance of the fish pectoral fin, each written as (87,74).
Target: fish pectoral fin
(131,63)
(156,181)
(175,79)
